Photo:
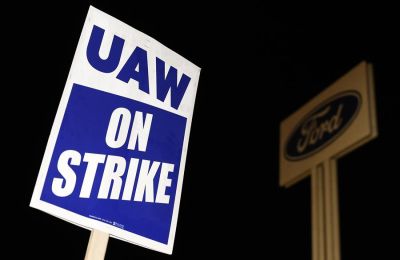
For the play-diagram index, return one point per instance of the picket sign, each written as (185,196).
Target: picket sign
(115,158)
(337,121)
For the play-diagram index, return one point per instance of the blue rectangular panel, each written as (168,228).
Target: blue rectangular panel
(84,129)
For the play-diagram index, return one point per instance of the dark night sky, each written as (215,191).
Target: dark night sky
(258,66)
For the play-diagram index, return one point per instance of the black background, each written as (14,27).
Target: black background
(259,64)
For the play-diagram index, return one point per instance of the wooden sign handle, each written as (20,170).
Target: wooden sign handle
(325,212)
(97,246)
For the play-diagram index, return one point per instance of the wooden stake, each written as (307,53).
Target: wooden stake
(97,245)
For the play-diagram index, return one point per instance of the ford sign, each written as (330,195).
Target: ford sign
(323,125)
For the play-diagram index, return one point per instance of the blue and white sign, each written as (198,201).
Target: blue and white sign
(116,153)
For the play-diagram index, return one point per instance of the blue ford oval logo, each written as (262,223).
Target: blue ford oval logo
(323,125)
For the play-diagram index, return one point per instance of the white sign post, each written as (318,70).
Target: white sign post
(97,246)
(115,158)
(338,120)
